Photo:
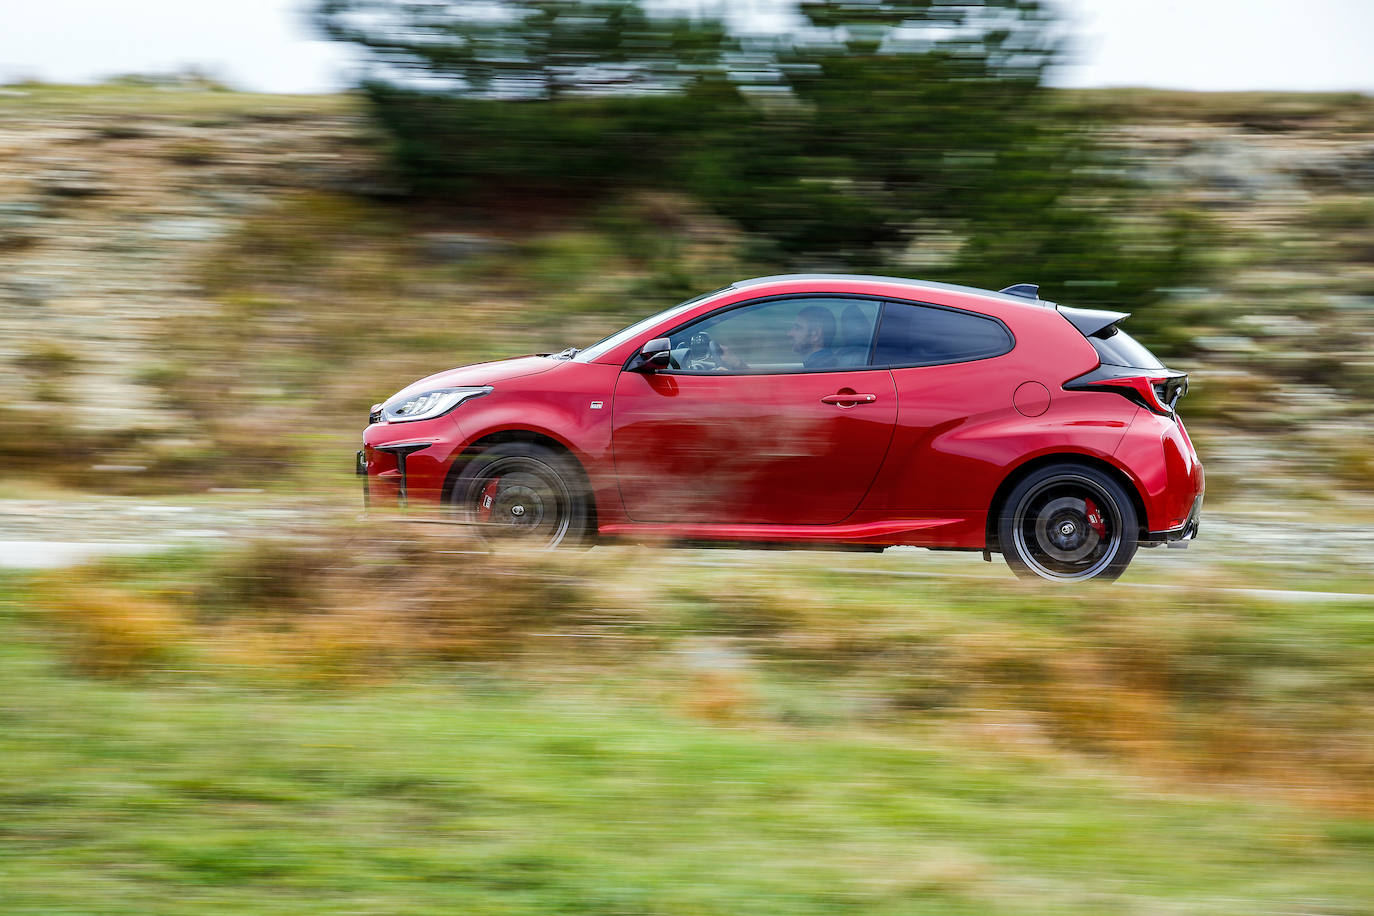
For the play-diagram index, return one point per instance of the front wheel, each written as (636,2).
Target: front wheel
(525,492)
(1068,522)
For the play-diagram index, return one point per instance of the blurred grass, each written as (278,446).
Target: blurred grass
(26,99)
(1272,111)
(782,738)
(1213,686)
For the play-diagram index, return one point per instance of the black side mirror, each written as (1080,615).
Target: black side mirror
(656,354)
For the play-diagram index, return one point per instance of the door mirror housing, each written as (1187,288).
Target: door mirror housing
(654,355)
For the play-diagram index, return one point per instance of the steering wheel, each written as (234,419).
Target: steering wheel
(703,354)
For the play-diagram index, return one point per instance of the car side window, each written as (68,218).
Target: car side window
(802,334)
(918,335)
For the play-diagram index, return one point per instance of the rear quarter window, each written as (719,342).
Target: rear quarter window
(1121,349)
(919,335)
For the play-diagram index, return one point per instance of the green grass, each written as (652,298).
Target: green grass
(485,796)
(654,736)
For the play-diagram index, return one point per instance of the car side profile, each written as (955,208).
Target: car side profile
(816,410)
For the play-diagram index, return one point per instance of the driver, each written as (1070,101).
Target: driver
(812,334)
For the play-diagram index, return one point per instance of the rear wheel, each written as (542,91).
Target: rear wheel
(525,492)
(1068,522)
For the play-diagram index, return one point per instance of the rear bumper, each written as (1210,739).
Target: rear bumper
(1180,536)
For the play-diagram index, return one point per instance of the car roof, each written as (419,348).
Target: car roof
(1000,305)
(890,281)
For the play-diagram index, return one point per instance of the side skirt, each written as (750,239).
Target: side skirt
(949,533)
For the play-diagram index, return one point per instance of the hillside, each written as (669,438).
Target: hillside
(181,268)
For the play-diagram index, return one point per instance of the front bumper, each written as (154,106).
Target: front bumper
(360,468)
(399,451)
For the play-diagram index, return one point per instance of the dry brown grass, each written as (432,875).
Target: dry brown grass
(367,607)
(1180,686)
(114,633)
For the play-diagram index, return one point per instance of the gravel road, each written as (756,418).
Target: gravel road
(49,533)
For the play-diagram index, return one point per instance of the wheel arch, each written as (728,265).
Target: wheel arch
(531,437)
(1025,469)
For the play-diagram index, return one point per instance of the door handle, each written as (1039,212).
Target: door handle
(849,399)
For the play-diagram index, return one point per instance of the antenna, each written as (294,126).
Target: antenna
(1024,290)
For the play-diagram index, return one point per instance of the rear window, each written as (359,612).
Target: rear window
(1121,349)
(917,335)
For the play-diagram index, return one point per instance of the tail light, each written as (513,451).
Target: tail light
(1157,390)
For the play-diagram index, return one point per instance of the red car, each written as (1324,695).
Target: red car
(817,410)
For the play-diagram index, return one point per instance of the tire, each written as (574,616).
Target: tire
(1047,528)
(525,492)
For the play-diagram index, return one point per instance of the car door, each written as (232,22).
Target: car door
(746,428)
(954,379)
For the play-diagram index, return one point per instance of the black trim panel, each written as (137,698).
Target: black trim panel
(402,450)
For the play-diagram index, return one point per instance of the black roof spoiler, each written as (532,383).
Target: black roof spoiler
(1090,322)
(1093,322)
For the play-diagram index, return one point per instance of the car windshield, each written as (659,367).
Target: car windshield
(619,337)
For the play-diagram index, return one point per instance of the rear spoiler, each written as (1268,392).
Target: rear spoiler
(1093,322)
(1090,322)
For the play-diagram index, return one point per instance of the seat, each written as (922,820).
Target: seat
(856,332)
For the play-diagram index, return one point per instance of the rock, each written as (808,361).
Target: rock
(190,229)
(1225,343)
(27,290)
(1351,303)
(1226,165)
(117,130)
(18,223)
(1352,170)
(1277,325)
(458,246)
(73,182)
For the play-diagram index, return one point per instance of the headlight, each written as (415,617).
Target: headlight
(429,404)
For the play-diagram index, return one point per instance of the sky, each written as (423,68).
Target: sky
(267,45)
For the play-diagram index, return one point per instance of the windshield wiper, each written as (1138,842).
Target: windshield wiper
(567,354)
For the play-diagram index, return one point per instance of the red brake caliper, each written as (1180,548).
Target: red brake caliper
(1095,518)
(488,497)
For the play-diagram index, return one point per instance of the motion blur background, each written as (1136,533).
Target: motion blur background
(220,690)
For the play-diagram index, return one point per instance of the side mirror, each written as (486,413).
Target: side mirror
(656,354)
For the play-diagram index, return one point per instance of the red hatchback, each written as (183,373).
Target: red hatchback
(817,410)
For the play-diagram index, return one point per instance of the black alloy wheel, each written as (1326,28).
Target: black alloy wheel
(525,492)
(1068,522)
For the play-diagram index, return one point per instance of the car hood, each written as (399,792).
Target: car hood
(481,374)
